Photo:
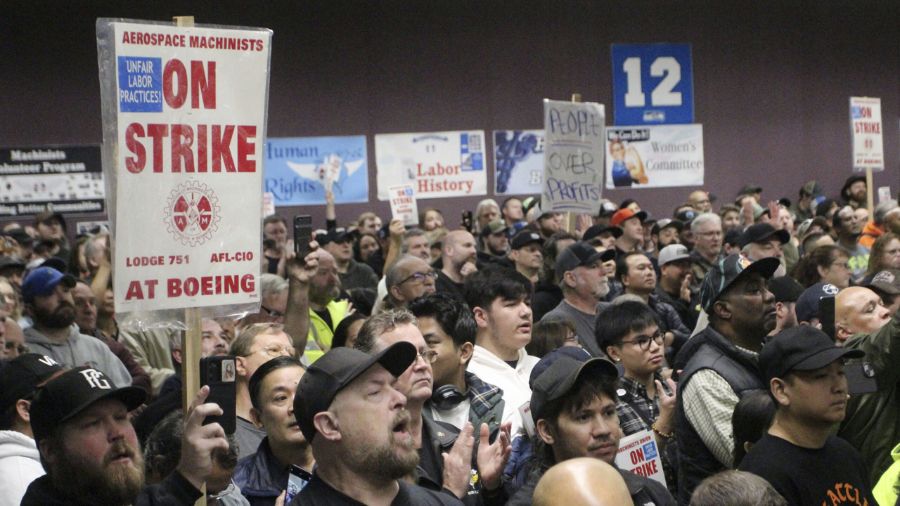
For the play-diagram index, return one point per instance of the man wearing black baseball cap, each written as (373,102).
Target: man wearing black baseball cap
(357,423)
(799,456)
(353,274)
(526,254)
(91,453)
(582,277)
(720,365)
(786,291)
(573,404)
(20,462)
(764,241)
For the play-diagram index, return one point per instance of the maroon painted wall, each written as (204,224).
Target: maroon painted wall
(771,79)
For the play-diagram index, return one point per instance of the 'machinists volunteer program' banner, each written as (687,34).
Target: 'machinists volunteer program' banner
(184,123)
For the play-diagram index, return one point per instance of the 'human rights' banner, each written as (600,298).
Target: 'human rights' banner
(184,112)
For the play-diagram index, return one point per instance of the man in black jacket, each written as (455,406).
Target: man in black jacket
(90,450)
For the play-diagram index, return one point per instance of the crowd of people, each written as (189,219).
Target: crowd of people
(755,342)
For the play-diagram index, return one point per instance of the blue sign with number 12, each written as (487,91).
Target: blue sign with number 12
(652,84)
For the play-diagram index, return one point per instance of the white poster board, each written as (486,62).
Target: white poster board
(639,454)
(865,129)
(403,204)
(437,164)
(573,156)
(184,112)
(654,156)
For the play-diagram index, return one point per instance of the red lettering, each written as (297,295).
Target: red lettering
(231,285)
(174,287)
(221,141)
(203,85)
(136,163)
(134,291)
(151,287)
(637,456)
(175,98)
(206,284)
(182,141)
(157,132)
(245,148)
(201,148)
(191,287)
(248,282)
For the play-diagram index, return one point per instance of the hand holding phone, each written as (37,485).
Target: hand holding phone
(297,479)
(302,235)
(220,374)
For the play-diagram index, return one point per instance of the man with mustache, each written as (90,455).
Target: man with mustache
(48,301)
(349,409)
(573,404)
(800,455)
(720,364)
(90,450)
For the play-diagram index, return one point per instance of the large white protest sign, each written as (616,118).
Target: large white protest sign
(437,164)
(573,156)
(865,127)
(184,123)
(654,156)
(639,454)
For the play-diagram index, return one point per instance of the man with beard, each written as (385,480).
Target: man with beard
(853,193)
(454,472)
(90,450)
(494,242)
(325,310)
(458,261)
(582,278)
(47,294)
(357,423)
(526,254)
(720,364)
(353,274)
(666,232)
(764,241)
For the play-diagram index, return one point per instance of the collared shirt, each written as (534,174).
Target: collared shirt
(636,410)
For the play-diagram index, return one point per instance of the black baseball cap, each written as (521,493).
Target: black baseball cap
(560,371)
(579,254)
(785,289)
(334,235)
(727,271)
(70,393)
(808,303)
(494,227)
(20,377)
(335,370)
(524,238)
(887,281)
(598,230)
(849,182)
(687,216)
(667,223)
(801,348)
(762,232)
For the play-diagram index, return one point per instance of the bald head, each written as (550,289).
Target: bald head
(858,310)
(582,482)
(459,248)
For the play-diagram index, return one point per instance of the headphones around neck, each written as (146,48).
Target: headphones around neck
(446,397)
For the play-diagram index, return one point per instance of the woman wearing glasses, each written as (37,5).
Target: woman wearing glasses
(629,333)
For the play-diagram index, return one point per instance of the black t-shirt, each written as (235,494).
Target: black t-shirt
(834,474)
(319,493)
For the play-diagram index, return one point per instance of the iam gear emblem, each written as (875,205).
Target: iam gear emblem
(192,213)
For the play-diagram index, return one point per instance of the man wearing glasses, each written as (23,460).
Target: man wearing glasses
(706,232)
(452,473)
(409,278)
(253,347)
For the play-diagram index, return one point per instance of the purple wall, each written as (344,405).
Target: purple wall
(771,79)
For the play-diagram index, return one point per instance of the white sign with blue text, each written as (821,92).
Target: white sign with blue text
(573,156)
(652,84)
(644,156)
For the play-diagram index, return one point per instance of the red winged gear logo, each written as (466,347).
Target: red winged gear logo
(192,213)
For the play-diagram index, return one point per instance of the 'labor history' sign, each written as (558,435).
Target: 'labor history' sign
(573,156)
(184,123)
(437,164)
(865,128)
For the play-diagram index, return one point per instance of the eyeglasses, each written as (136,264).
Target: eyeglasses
(429,356)
(643,342)
(843,265)
(419,277)
(711,233)
(277,351)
